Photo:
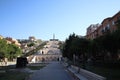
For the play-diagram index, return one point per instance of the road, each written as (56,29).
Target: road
(53,71)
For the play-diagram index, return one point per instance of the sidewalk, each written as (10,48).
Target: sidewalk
(53,71)
(82,74)
(8,63)
(74,72)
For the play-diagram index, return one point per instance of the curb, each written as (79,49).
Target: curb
(73,75)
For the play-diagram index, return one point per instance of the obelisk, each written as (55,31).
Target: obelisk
(53,36)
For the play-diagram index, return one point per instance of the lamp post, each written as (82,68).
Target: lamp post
(74,59)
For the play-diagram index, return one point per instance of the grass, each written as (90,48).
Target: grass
(109,73)
(17,75)
(35,67)
(13,75)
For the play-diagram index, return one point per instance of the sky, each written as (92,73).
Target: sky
(20,19)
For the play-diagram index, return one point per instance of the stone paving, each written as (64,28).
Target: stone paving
(53,71)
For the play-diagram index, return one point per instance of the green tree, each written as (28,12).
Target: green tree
(75,45)
(9,51)
(68,49)
(31,44)
(13,51)
(3,48)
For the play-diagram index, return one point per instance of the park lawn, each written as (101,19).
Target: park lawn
(109,73)
(10,75)
(16,75)
(36,67)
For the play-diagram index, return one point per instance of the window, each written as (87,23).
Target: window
(113,23)
(102,30)
(107,29)
(108,26)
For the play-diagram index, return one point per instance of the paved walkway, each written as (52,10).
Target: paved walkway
(53,71)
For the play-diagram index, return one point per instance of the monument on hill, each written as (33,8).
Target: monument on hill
(54,38)
(50,52)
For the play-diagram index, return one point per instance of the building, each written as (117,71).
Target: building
(32,38)
(91,31)
(107,25)
(50,52)
(1,37)
(12,41)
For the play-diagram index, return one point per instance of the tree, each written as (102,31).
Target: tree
(68,48)
(13,51)
(3,48)
(31,44)
(9,51)
(75,45)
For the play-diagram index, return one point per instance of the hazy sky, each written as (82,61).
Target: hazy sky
(43,18)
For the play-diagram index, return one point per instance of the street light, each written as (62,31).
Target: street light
(74,59)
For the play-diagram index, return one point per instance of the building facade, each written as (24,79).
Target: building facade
(32,38)
(1,37)
(107,25)
(12,41)
(91,31)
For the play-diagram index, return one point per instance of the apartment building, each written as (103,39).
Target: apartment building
(12,41)
(107,25)
(91,31)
